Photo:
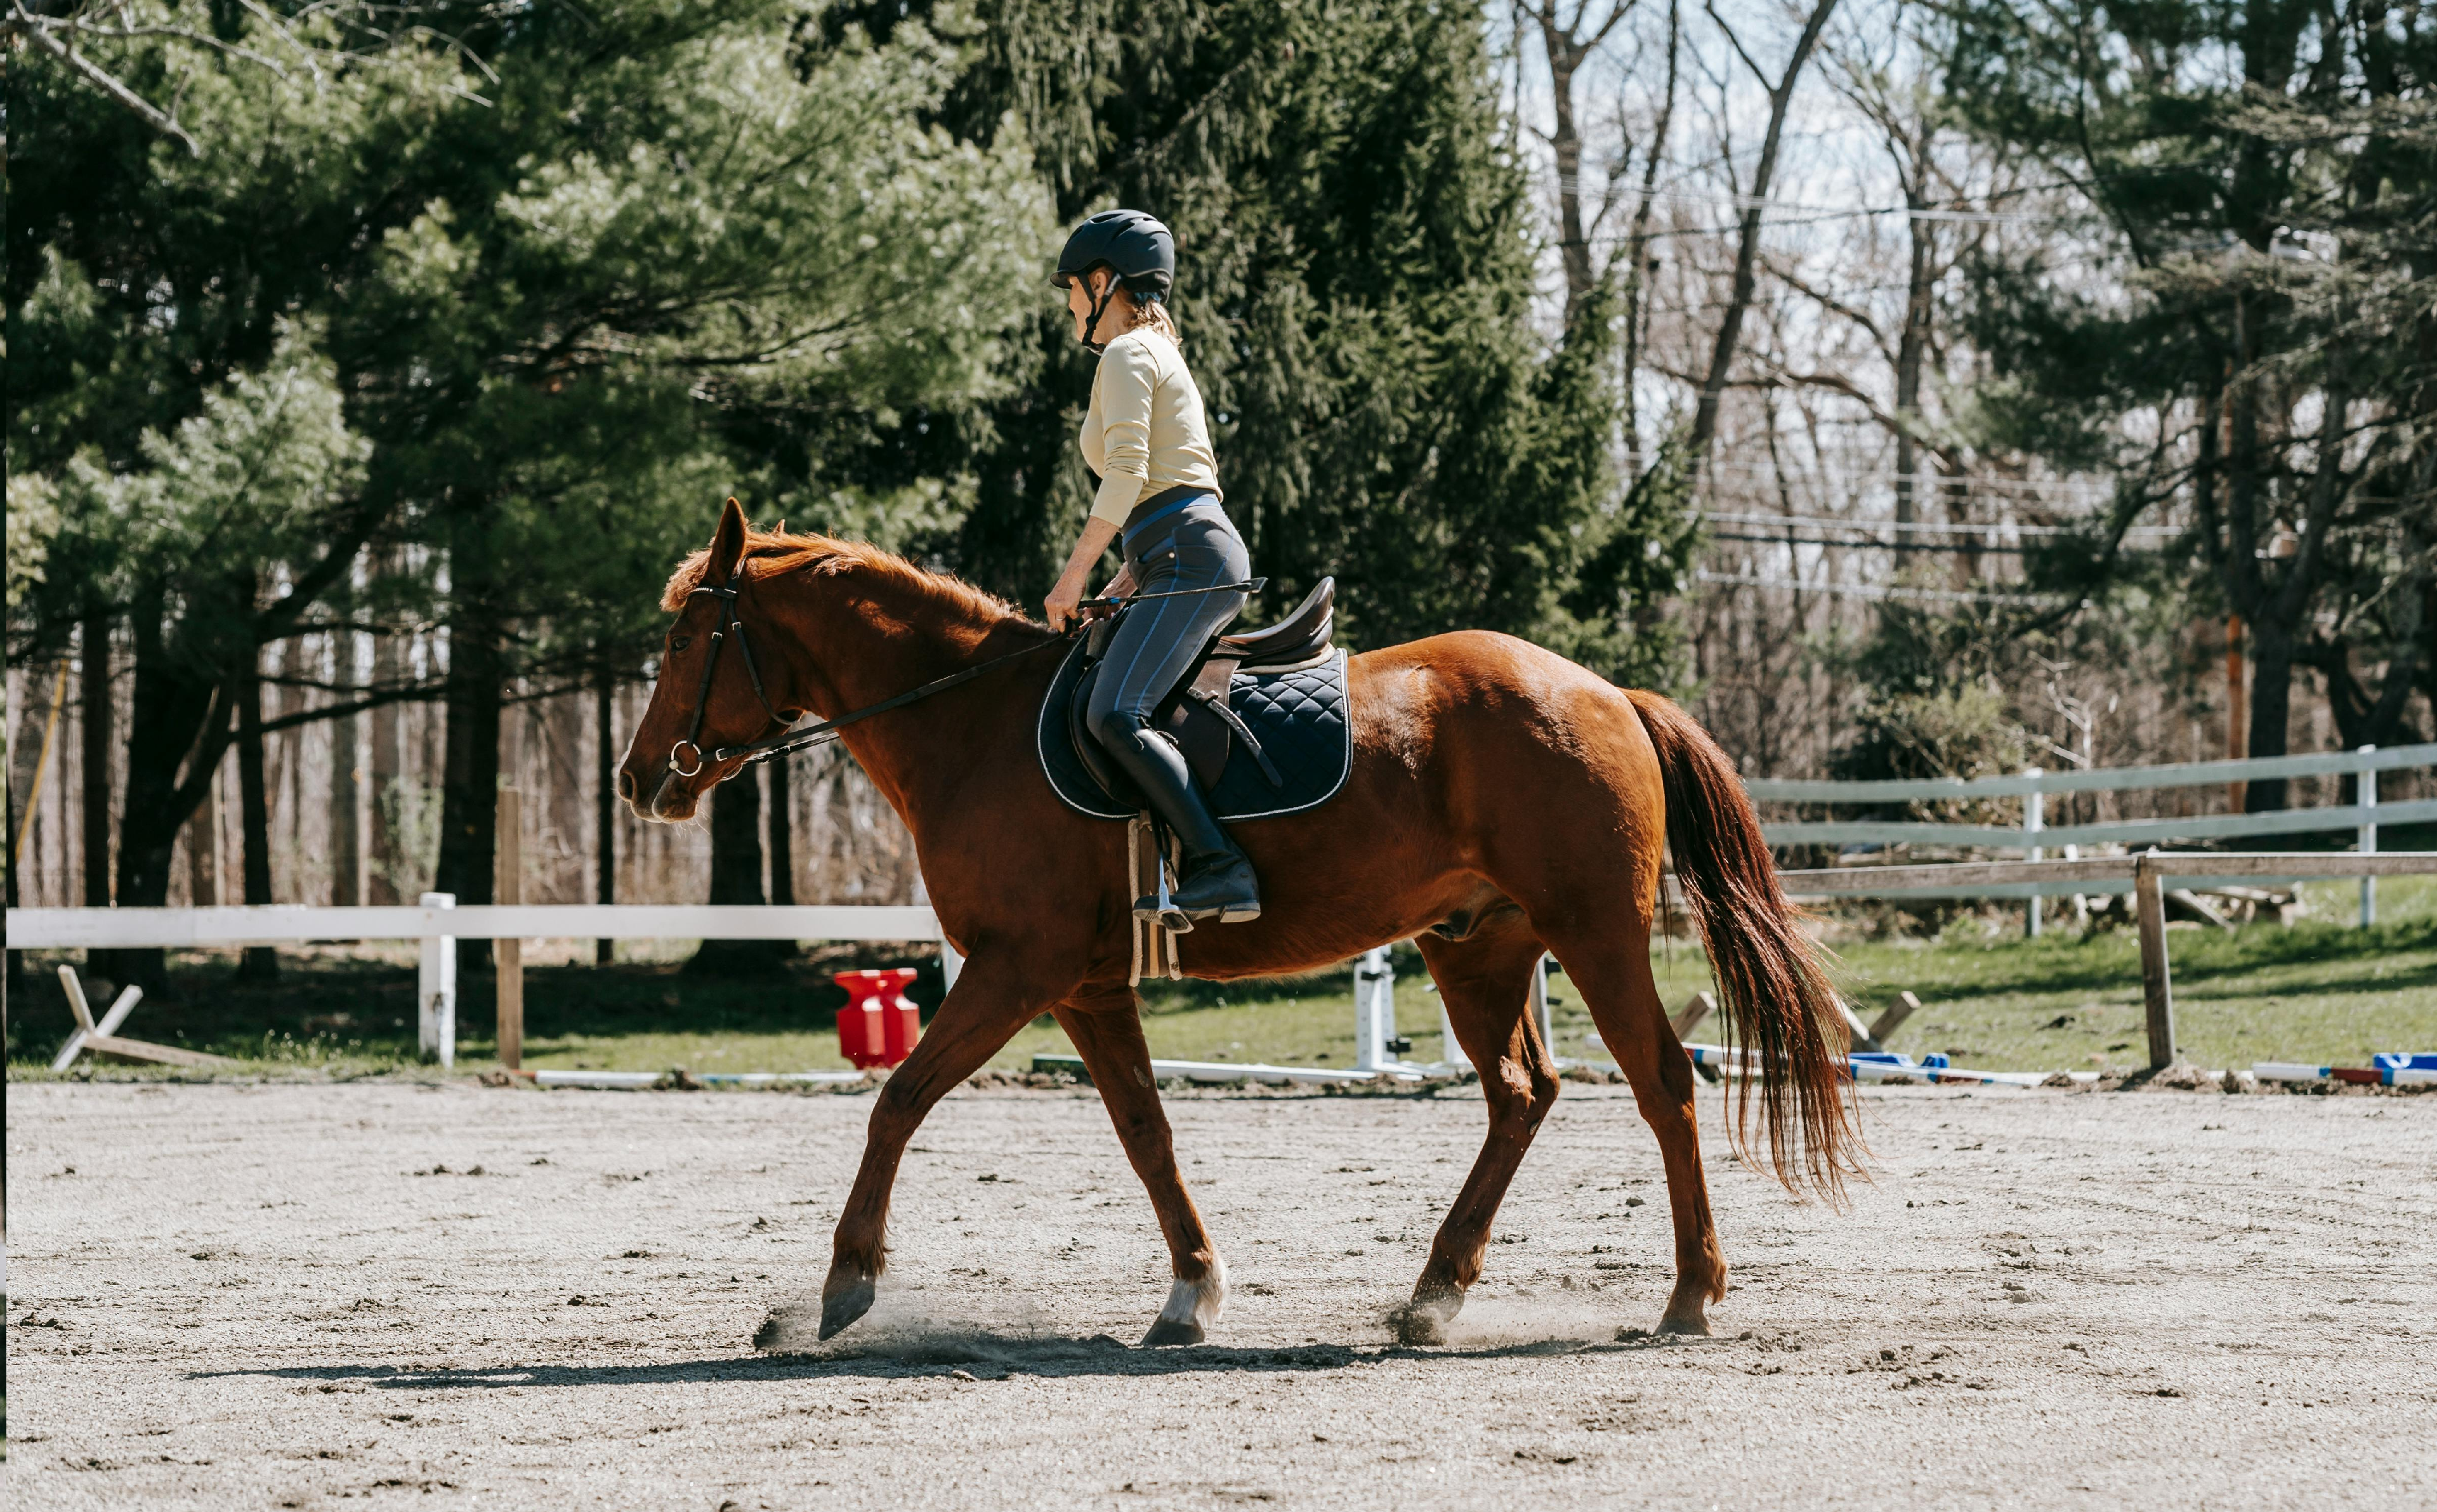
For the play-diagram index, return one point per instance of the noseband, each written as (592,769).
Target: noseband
(729,620)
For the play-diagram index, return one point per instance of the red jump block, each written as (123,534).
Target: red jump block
(879,1023)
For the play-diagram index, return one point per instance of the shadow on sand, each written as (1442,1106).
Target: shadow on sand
(902,1354)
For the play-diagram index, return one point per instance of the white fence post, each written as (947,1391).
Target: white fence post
(952,965)
(435,989)
(2034,821)
(2366,787)
(1374,1010)
(1540,1003)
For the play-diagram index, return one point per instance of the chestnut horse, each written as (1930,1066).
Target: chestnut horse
(1497,789)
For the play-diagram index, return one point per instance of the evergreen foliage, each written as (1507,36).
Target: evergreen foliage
(2267,172)
(1357,251)
(539,282)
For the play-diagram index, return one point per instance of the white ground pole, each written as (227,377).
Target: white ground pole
(435,989)
(2366,797)
(2034,821)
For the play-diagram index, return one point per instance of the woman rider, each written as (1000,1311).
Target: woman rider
(1144,438)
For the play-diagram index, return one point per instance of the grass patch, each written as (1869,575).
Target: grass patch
(2322,991)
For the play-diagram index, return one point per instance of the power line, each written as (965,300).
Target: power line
(1833,212)
(1871,546)
(1931,484)
(1923,527)
(1873,590)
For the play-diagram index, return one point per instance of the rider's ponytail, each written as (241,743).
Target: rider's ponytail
(1150,310)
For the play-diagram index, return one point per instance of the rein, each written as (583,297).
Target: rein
(804,737)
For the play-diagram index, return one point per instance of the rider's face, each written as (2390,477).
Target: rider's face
(1080,291)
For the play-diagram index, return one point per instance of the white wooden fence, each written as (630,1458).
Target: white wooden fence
(438,923)
(2034,836)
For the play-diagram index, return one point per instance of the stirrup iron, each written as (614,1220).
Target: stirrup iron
(1159,905)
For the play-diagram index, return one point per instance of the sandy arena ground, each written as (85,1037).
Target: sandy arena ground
(231,1297)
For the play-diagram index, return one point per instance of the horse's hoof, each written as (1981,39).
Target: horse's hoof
(1691,1324)
(1417,1328)
(840,1310)
(1168,1333)
(1424,1320)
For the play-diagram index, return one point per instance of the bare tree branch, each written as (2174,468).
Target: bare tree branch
(39,29)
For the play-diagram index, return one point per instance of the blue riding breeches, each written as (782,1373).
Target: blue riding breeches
(1185,547)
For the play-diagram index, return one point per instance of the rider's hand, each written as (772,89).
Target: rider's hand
(1063,601)
(1068,595)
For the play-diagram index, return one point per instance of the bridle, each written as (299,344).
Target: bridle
(729,620)
(794,738)
(799,738)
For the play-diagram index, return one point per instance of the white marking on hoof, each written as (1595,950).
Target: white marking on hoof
(1197,1302)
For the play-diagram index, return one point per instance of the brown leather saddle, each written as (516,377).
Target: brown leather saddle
(1196,713)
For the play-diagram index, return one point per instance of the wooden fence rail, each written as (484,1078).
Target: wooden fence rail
(2143,875)
(2034,836)
(437,923)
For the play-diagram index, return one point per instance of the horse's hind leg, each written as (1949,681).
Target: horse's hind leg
(1486,983)
(1610,967)
(994,996)
(1109,1036)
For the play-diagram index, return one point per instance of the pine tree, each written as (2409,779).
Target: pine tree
(2263,177)
(1354,297)
(552,306)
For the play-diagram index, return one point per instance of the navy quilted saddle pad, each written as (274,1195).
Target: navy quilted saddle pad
(1300,717)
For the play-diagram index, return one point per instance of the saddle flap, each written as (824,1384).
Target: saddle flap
(1293,751)
(1204,737)
(1201,735)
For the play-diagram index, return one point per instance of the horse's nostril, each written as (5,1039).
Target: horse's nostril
(626,785)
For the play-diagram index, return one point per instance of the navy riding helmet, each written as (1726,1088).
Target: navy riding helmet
(1135,246)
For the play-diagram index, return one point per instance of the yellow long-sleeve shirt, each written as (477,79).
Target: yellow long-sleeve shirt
(1145,430)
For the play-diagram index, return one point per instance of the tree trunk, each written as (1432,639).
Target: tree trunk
(2272,703)
(604,801)
(782,837)
(204,851)
(41,688)
(177,731)
(261,963)
(387,860)
(1912,350)
(1738,299)
(346,781)
(1639,263)
(94,719)
(736,877)
(93,727)
(469,792)
(1573,241)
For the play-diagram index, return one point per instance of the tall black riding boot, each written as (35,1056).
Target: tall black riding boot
(1217,877)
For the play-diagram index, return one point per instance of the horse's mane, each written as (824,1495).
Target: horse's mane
(780,552)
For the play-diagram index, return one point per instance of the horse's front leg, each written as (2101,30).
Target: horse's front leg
(1486,983)
(996,994)
(1108,1034)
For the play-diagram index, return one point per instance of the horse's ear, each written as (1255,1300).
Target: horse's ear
(727,545)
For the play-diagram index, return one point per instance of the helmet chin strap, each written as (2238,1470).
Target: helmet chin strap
(1091,328)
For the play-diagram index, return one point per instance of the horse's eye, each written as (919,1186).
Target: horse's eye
(679,642)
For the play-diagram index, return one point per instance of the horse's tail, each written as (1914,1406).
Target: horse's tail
(1773,987)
